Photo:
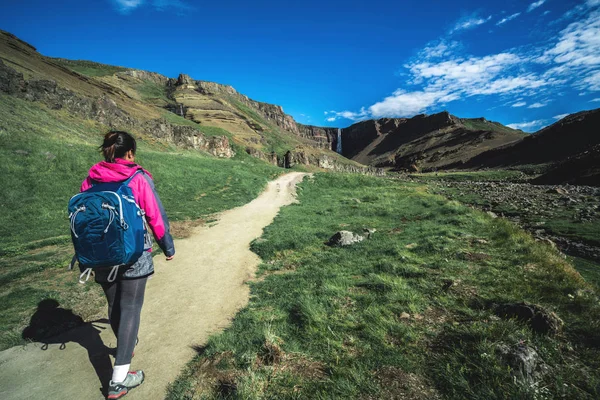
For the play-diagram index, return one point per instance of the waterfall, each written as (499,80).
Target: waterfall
(338,148)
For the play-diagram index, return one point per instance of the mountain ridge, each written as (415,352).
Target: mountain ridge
(217,119)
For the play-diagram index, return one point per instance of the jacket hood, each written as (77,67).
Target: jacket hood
(116,171)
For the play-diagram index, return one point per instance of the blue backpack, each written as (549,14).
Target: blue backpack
(107,227)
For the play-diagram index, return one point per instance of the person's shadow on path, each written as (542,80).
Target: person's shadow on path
(51,325)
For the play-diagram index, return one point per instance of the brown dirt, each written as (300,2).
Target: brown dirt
(187,300)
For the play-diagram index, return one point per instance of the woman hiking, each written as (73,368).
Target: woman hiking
(125,294)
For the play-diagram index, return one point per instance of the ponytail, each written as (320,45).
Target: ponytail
(116,144)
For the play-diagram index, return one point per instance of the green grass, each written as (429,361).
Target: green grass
(355,322)
(152,92)
(478,125)
(206,130)
(588,269)
(571,228)
(277,141)
(564,221)
(90,68)
(45,156)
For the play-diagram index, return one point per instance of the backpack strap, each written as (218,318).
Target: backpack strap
(126,181)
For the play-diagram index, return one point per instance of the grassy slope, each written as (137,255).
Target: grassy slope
(328,322)
(45,156)
(476,124)
(89,68)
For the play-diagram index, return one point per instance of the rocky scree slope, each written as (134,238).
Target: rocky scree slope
(423,142)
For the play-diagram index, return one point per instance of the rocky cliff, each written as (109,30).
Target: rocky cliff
(106,111)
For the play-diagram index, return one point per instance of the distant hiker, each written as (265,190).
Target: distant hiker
(125,286)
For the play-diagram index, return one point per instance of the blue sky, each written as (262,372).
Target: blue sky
(332,63)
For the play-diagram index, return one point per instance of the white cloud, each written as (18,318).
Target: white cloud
(560,116)
(441,72)
(439,49)
(578,45)
(535,5)
(526,126)
(126,6)
(596,99)
(592,81)
(506,19)
(178,5)
(404,104)
(469,22)
(353,116)
(537,105)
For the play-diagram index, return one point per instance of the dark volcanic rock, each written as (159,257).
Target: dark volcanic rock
(11,82)
(539,319)
(526,364)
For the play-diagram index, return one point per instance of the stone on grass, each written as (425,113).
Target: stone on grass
(344,238)
(369,232)
(526,364)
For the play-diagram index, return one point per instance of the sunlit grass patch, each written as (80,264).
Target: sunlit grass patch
(417,298)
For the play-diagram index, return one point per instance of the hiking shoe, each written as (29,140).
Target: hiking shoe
(116,390)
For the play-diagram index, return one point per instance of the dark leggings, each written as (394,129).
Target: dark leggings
(125,299)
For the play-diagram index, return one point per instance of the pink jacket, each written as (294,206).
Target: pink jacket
(144,192)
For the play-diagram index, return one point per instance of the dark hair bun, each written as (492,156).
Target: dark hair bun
(116,144)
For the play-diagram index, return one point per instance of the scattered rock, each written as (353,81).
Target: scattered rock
(411,245)
(369,232)
(558,191)
(492,214)
(404,315)
(357,201)
(22,152)
(526,364)
(49,156)
(539,319)
(344,238)
(447,284)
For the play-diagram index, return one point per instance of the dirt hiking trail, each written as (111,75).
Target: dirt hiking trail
(187,300)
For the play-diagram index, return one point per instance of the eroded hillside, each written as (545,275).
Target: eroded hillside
(424,141)
(205,116)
